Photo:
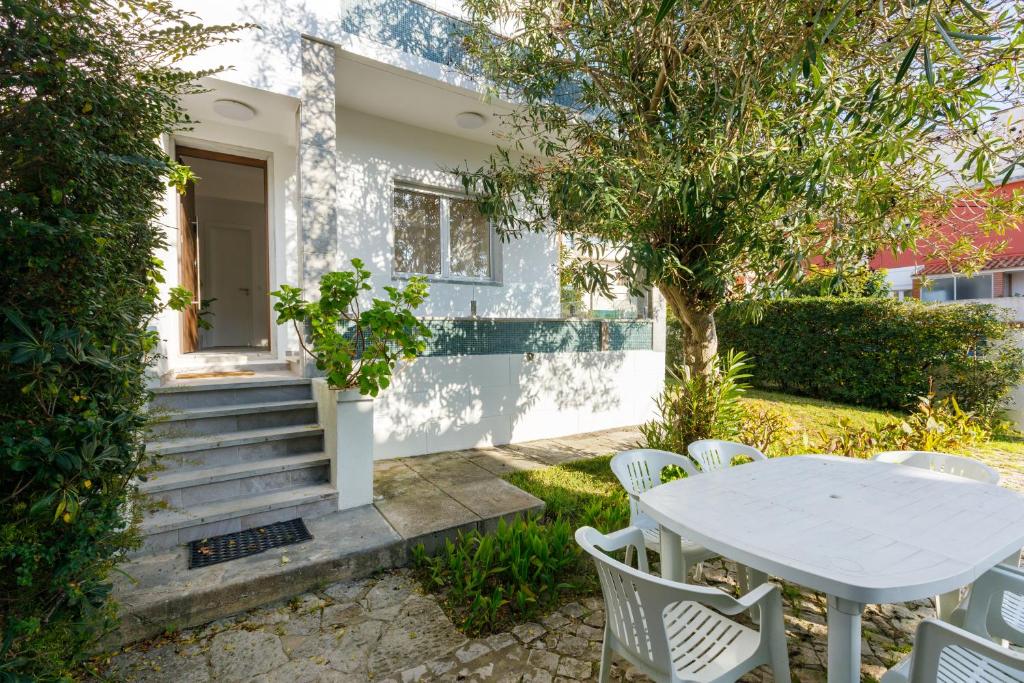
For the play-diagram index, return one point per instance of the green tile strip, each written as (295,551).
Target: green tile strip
(488,337)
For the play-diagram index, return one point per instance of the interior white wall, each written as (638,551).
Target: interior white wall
(372,154)
(455,402)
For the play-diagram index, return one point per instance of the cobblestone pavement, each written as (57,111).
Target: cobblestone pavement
(386,629)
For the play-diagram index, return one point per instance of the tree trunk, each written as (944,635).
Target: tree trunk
(700,338)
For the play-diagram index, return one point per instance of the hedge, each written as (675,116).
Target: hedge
(87,90)
(878,352)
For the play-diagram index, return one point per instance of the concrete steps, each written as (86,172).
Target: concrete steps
(234,453)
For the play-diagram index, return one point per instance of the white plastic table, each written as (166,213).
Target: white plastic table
(860,531)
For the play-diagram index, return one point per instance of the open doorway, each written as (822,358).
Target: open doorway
(224,253)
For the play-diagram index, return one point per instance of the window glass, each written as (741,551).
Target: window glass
(417,233)
(977,287)
(469,240)
(938,289)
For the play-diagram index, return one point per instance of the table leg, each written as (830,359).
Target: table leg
(671,555)
(843,640)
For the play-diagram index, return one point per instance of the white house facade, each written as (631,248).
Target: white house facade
(330,137)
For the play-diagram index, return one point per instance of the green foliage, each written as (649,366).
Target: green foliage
(357,348)
(86,90)
(529,566)
(935,425)
(856,282)
(700,407)
(180,299)
(879,352)
(513,573)
(716,146)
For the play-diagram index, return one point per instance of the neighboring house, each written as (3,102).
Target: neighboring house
(1000,281)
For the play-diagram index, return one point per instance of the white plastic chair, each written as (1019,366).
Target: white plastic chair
(995,607)
(640,470)
(944,653)
(676,631)
(956,465)
(713,454)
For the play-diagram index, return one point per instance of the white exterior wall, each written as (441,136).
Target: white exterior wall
(373,153)
(455,402)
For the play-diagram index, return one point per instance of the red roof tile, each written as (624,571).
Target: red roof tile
(1001,262)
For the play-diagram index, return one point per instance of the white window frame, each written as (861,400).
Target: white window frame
(493,243)
(957,276)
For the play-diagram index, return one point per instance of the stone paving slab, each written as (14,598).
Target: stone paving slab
(384,629)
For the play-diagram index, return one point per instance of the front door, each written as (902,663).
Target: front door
(188,246)
(224,252)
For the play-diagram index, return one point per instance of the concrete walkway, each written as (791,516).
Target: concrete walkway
(424,499)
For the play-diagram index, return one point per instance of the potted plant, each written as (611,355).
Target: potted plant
(357,351)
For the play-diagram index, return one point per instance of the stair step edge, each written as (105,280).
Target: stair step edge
(236,409)
(225,439)
(207,513)
(197,477)
(221,385)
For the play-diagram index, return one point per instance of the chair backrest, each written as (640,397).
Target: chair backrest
(956,465)
(640,470)
(713,454)
(635,600)
(996,607)
(944,653)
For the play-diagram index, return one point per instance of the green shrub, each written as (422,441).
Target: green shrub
(699,407)
(934,425)
(87,90)
(855,282)
(514,573)
(878,352)
(356,348)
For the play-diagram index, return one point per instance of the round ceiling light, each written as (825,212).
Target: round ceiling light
(470,120)
(234,110)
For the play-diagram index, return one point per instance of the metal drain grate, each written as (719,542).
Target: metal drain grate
(207,551)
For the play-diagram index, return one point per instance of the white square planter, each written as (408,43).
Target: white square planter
(347,419)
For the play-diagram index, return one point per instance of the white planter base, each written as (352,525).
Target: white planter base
(347,419)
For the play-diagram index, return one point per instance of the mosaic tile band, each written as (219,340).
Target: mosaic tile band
(465,337)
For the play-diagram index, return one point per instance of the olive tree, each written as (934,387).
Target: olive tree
(717,145)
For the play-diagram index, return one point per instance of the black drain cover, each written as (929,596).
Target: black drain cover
(207,551)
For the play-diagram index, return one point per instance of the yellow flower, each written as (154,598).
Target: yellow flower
(67,518)
(87,483)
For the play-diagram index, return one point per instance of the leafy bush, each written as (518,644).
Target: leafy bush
(515,572)
(700,407)
(87,89)
(357,348)
(855,282)
(879,352)
(935,425)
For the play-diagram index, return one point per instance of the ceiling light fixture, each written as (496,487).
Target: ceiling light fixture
(470,120)
(234,110)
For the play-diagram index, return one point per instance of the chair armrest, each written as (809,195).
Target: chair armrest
(984,609)
(934,636)
(629,537)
